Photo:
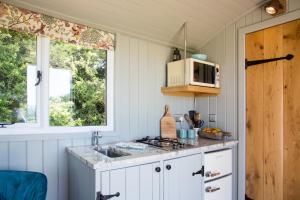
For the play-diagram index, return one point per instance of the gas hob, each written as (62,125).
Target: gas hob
(167,144)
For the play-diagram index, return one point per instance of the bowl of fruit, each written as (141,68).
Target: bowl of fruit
(214,133)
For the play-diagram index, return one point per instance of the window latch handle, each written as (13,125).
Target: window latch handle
(4,124)
(39,77)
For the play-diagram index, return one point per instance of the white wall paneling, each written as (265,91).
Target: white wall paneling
(63,169)
(50,161)
(4,154)
(223,50)
(17,155)
(35,155)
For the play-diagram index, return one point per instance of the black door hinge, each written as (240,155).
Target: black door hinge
(257,62)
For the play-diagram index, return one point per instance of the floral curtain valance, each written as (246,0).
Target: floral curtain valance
(43,25)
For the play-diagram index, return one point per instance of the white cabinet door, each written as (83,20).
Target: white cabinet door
(117,183)
(172,179)
(219,189)
(190,177)
(179,181)
(133,183)
(149,181)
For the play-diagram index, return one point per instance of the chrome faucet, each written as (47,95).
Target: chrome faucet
(95,138)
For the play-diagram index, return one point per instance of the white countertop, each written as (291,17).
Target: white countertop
(96,160)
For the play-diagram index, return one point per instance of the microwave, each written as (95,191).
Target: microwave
(197,72)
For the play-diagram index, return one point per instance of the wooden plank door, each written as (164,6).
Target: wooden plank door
(291,110)
(273,114)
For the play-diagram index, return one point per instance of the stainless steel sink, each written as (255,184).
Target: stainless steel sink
(111,152)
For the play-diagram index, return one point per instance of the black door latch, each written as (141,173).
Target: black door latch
(201,171)
(100,196)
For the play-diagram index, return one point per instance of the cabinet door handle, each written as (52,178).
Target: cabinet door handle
(157,169)
(168,167)
(100,196)
(201,171)
(212,174)
(198,172)
(212,189)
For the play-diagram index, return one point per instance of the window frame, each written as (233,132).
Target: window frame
(42,99)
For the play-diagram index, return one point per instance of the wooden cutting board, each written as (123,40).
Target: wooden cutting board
(168,124)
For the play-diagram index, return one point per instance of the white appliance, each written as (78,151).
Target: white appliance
(196,72)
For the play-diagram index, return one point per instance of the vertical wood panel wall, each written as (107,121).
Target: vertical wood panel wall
(223,50)
(139,73)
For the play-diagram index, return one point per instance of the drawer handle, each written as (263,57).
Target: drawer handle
(212,174)
(212,189)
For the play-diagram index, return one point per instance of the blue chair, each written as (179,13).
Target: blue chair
(21,185)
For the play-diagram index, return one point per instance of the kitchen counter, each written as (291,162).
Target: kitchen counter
(96,160)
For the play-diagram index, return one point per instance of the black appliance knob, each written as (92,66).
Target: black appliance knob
(168,167)
(157,169)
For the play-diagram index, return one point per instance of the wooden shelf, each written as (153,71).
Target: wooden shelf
(190,90)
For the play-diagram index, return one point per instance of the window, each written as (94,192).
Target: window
(76,85)
(75,88)
(17,74)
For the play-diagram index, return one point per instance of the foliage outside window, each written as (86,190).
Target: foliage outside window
(17,59)
(77,85)
(77,81)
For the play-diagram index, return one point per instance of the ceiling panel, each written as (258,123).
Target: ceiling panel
(159,20)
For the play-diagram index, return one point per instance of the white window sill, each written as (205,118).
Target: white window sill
(56,131)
